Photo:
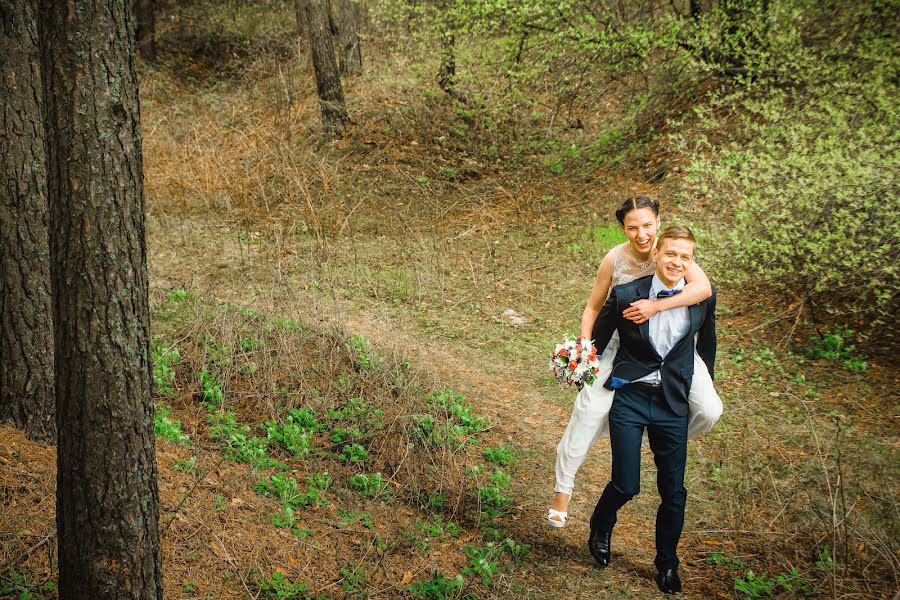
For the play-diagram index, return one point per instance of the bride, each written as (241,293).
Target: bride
(639,218)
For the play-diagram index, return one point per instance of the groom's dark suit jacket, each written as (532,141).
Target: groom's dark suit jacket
(637,357)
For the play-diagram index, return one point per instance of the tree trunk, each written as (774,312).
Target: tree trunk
(26,316)
(328,80)
(345,16)
(146,28)
(447,70)
(300,12)
(107,497)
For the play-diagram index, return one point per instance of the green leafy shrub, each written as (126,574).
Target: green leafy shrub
(165,359)
(438,587)
(280,587)
(294,432)
(493,498)
(238,445)
(353,454)
(810,164)
(368,485)
(500,456)
(166,427)
(836,345)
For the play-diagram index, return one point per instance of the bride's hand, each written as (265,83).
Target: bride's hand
(641,311)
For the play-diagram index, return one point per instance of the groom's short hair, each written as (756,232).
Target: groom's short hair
(675,232)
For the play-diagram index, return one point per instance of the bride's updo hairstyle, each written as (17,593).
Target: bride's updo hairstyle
(634,203)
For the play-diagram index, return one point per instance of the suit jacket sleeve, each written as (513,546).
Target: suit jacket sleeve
(706,335)
(606,322)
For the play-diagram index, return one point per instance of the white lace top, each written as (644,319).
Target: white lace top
(626,268)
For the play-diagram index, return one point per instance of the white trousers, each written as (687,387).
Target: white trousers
(590,416)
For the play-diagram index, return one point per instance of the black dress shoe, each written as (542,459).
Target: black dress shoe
(668,582)
(600,545)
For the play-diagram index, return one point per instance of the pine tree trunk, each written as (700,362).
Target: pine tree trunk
(107,497)
(346,15)
(328,80)
(146,28)
(26,317)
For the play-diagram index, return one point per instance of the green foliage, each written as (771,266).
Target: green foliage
(482,562)
(210,391)
(451,423)
(287,491)
(438,587)
(836,346)
(500,456)
(349,517)
(362,350)
(811,160)
(16,584)
(187,466)
(354,581)
(493,499)
(368,485)
(238,445)
(353,454)
(165,359)
(752,586)
(166,427)
(280,587)
(294,432)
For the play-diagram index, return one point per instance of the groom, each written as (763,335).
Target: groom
(652,377)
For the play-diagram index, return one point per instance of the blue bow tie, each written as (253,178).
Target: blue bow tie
(667,293)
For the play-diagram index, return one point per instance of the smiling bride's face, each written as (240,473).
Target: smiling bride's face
(640,227)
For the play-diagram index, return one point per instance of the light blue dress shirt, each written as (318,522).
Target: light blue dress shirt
(667,327)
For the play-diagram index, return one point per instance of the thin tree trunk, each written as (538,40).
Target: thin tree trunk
(26,316)
(447,70)
(107,497)
(346,22)
(146,28)
(328,80)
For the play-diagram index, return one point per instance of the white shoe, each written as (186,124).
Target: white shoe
(561,519)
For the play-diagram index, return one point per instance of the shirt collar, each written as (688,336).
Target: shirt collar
(657,285)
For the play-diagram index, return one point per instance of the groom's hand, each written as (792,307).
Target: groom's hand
(641,310)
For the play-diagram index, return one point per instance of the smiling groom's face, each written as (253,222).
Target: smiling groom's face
(672,259)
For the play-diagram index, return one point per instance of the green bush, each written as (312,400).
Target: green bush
(166,427)
(809,169)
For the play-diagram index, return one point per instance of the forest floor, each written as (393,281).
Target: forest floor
(470,272)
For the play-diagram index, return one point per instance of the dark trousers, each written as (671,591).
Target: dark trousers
(634,408)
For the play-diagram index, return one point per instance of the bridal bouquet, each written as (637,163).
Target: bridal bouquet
(575,361)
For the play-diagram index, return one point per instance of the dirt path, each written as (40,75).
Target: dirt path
(218,265)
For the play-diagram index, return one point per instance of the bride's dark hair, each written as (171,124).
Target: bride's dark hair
(634,203)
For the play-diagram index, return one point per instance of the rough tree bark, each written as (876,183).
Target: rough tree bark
(146,28)
(345,18)
(26,316)
(328,80)
(107,497)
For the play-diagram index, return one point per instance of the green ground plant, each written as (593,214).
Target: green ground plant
(837,346)
(439,587)
(16,584)
(349,517)
(499,456)
(295,432)
(280,587)
(166,427)
(368,486)
(165,358)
